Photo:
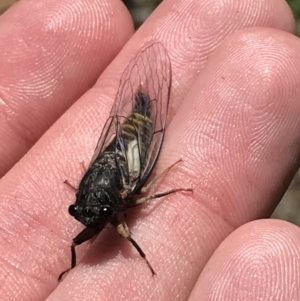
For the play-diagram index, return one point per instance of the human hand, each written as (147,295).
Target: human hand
(236,99)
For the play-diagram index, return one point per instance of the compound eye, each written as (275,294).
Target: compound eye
(106,212)
(73,210)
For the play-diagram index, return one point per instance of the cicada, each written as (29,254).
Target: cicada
(127,150)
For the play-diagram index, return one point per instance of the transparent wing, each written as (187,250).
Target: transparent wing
(148,73)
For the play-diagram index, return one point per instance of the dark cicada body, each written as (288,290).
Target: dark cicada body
(127,149)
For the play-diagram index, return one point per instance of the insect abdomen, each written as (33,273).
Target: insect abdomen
(137,134)
(138,128)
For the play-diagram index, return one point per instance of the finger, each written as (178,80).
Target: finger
(191,32)
(259,261)
(50,54)
(239,147)
(38,200)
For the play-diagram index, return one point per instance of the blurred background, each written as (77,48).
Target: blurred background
(289,207)
(140,10)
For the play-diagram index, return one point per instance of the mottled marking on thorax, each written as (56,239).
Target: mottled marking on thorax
(107,158)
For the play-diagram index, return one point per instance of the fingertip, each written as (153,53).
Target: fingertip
(258,261)
(50,54)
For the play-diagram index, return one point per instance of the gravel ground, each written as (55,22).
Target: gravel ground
(289,207)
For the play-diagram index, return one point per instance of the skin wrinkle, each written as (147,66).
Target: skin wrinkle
(28,222)
(212,173)
(24,141)
(210,199)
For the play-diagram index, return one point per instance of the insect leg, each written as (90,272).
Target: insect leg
(152,182)
(83,167)
(158,195)
(83,236)
(124,231)
(70,185)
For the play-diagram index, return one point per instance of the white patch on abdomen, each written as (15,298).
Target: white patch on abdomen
(133,159)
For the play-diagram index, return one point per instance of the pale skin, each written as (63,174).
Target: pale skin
(237,104)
